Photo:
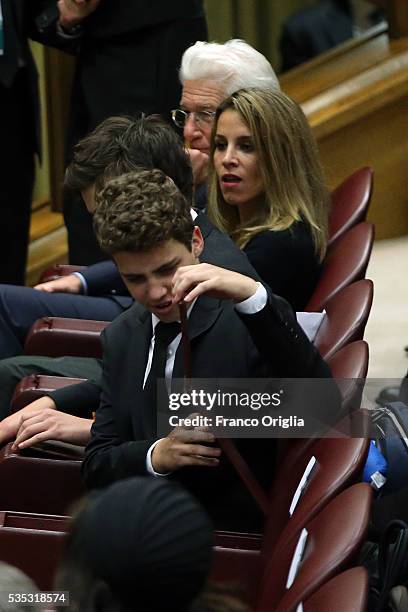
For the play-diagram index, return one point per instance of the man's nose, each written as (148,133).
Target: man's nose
(191,130)
(157,291)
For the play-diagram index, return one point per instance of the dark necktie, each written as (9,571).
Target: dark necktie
(164,334)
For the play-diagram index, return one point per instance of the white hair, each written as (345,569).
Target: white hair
(234,64)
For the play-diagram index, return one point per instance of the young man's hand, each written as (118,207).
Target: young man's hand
(72,12)
(10,425)
(191,281)
(49,424)
(185,446)
(65,284)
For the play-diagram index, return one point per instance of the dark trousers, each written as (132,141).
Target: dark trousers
(16,177)
(12,370)
(20,307)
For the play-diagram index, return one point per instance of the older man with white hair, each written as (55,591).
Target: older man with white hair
(209,73)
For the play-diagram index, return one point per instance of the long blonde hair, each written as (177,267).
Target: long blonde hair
(289,164)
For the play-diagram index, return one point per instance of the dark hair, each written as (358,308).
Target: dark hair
(121,144)
(140,210)
(133,544)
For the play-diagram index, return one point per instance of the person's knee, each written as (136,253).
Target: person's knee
(12,370)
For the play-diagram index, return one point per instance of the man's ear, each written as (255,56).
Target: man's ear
(197,242)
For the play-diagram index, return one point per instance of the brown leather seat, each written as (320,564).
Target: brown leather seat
(346,318)
(349,367)
(30,482)
(333,541)
(350,202)
(32,387)
(34,544)
(57,337)
(345,263)
(347,592)
(339,464)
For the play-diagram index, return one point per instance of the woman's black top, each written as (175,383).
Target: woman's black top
(287,262)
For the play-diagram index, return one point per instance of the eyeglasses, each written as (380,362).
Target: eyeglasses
(201,118)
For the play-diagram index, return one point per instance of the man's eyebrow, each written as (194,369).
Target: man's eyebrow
(200,110)
(130,275)
(169,264)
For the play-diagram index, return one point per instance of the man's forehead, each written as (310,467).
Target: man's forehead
(130,262)
(202,94)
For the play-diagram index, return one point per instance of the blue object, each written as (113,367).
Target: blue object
(376,462)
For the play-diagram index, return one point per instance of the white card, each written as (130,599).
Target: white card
(297,558)
(302,485)
(310,322)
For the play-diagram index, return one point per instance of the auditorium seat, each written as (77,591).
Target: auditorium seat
(338,463)
(350,202)
(349,367)
(32,387)
(332,544)
(346,317)
(347,592)
(345,263)
(33,543)
(56,337)
(31,481)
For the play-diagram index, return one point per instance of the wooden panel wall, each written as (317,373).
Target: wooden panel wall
(356,100)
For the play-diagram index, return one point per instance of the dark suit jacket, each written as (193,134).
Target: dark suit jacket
(224,345)
(312,31)
(128,57)
(25,16)
(104,279)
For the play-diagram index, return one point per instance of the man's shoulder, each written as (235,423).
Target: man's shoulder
(128,321)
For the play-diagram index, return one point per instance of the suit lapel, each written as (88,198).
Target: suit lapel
(204,315)
(204,224)
(142,415)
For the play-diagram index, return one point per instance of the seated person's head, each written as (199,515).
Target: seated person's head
(144,222)
(209,73)
(265,169)
(122,144)
(142,544)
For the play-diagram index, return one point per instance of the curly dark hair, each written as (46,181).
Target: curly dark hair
(140,210)
(122,144)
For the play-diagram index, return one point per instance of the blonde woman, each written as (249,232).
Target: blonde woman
(267,189)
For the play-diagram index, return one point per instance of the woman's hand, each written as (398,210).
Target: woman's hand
(191,281)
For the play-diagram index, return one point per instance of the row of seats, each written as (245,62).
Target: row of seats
(38,486)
